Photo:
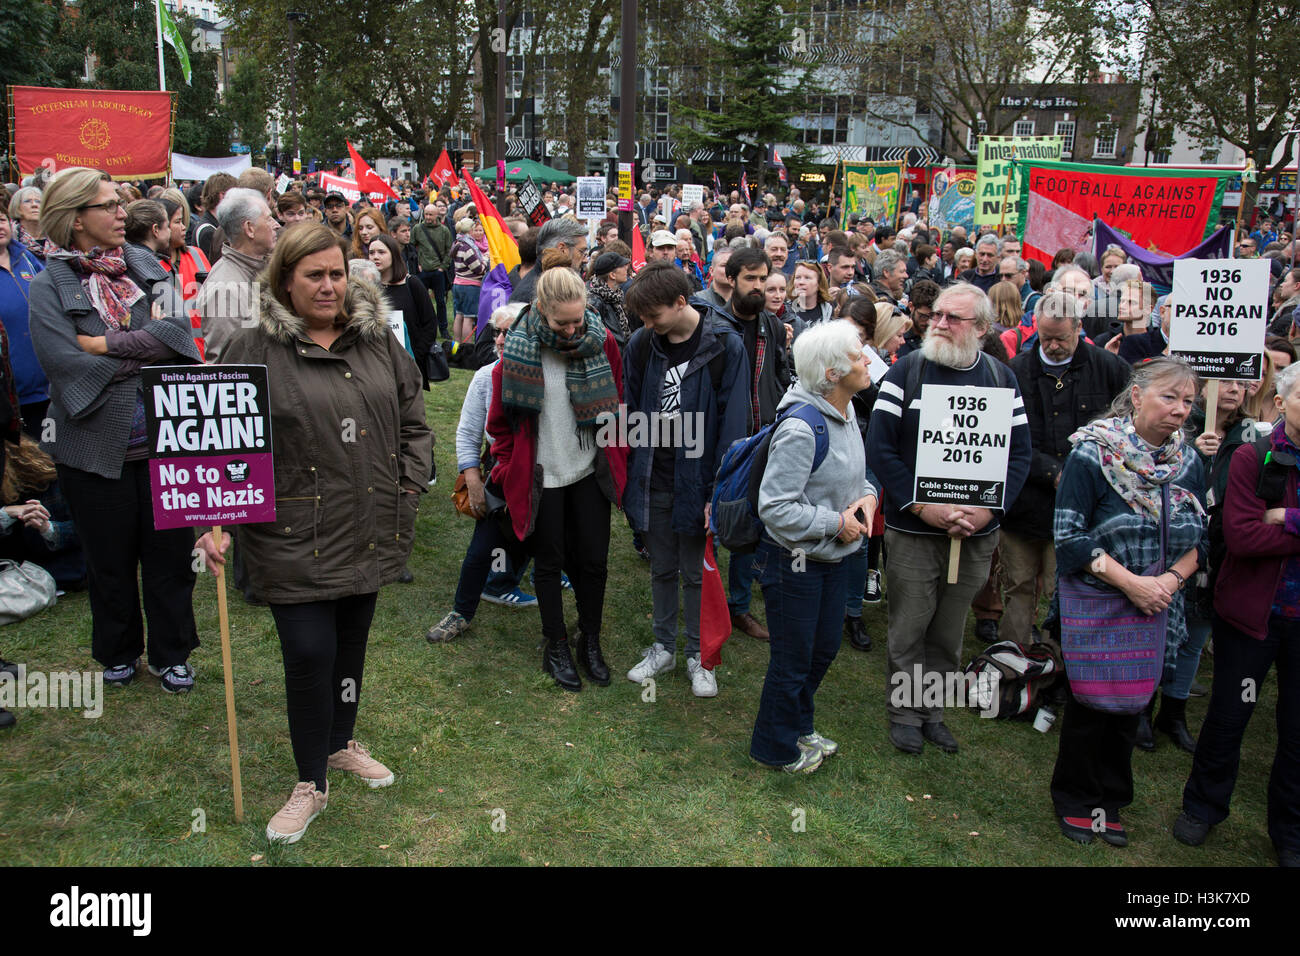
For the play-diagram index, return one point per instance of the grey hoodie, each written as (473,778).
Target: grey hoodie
(802,509)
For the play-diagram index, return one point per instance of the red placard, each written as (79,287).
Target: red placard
(125,133)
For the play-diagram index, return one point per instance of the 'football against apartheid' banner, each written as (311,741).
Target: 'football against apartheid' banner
(997,177)
(952,198)
(872,190)
(125,133)
(1162,210)
(348,187)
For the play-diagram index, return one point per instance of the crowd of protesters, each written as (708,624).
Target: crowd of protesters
(749,312)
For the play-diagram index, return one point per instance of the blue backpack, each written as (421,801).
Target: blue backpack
(733,516)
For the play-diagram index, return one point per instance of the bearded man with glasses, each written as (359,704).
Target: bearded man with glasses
(926,614)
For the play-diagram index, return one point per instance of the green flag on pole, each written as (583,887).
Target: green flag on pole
(173,36)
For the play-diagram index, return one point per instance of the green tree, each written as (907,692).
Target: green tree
(1245,91)
(755,89)
(578,34)
(962,59)
(393,76)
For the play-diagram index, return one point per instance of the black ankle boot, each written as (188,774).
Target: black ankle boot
(1145,738)
(856,633)
(1172,719)
(587,648)
(557,662)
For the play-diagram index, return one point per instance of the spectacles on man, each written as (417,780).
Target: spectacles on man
(1007,275)
(939,316)
(111,207)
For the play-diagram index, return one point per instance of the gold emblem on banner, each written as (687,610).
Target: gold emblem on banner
(95,134)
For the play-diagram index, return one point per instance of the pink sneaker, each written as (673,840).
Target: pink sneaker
(356,759)
(304,806)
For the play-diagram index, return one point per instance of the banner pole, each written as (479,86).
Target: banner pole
(1211,405)
(223,618)
(157,19)
(954,558)
(13,160)
(1006,195)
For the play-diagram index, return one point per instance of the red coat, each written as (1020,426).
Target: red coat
(1257,552)
(515,450)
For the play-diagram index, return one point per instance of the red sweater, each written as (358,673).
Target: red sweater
(515,450)
(1257,552)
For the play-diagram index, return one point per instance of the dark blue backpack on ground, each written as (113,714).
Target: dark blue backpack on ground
(733,516)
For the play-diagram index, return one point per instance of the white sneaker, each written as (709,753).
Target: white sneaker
(703,682)
(656,661)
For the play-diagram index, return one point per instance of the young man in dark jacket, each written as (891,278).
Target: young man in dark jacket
(684,377)
(769,376)
(1065,383)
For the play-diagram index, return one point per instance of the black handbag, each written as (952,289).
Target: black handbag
(435,364)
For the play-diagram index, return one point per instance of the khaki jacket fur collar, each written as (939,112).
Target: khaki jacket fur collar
(365,303)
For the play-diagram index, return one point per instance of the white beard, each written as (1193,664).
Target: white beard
(949,353)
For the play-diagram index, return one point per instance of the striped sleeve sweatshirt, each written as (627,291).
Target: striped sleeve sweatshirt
(891,437)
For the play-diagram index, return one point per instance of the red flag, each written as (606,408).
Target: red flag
(744,189)
(715,616)
(366,178)
(638,249)
(443,173)
(780,166)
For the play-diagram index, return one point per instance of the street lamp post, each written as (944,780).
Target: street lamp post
(294,17)
(1151,139)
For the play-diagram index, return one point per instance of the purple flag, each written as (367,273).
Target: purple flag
(1156,268)
(494,294)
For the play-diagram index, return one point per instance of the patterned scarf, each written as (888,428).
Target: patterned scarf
(34,246)
(590,381)
(614,299)
(103,276)
(1133,468)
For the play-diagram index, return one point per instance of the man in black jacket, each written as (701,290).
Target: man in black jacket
(764,337)
(1065,383)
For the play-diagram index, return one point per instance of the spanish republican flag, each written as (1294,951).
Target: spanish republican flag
(501,242)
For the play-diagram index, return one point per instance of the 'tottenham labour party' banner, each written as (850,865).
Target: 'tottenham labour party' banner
(209,444)
(952,198)
(125,133)
(872,190)
(997,174)
(350,190)
(1168,211)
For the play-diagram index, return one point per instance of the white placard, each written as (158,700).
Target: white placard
(692,194)
(591,197)
(877,367)
(1218,316)
(283,184)
(963,444)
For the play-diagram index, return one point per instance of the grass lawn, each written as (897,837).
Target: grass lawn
(600,777)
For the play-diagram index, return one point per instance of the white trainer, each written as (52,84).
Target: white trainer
(656,661)
(703,682)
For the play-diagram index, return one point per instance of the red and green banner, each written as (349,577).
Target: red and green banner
(1167,211)
(125,133)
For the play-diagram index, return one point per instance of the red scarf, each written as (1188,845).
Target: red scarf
(103,276)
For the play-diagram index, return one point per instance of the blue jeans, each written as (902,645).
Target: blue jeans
(1188,660)
(479,557)
(805,616)
(740,581)
(856,581)
(1238,658)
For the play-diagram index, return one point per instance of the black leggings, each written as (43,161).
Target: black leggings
(571,534)
(324,647)
(874,547)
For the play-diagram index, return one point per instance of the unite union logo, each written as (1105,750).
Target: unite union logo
(95,134)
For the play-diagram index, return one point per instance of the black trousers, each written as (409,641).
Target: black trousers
(571,534)
(34,418)
(1240,666)
(114,519)
(1094,765)
(324,648)
(436,283)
